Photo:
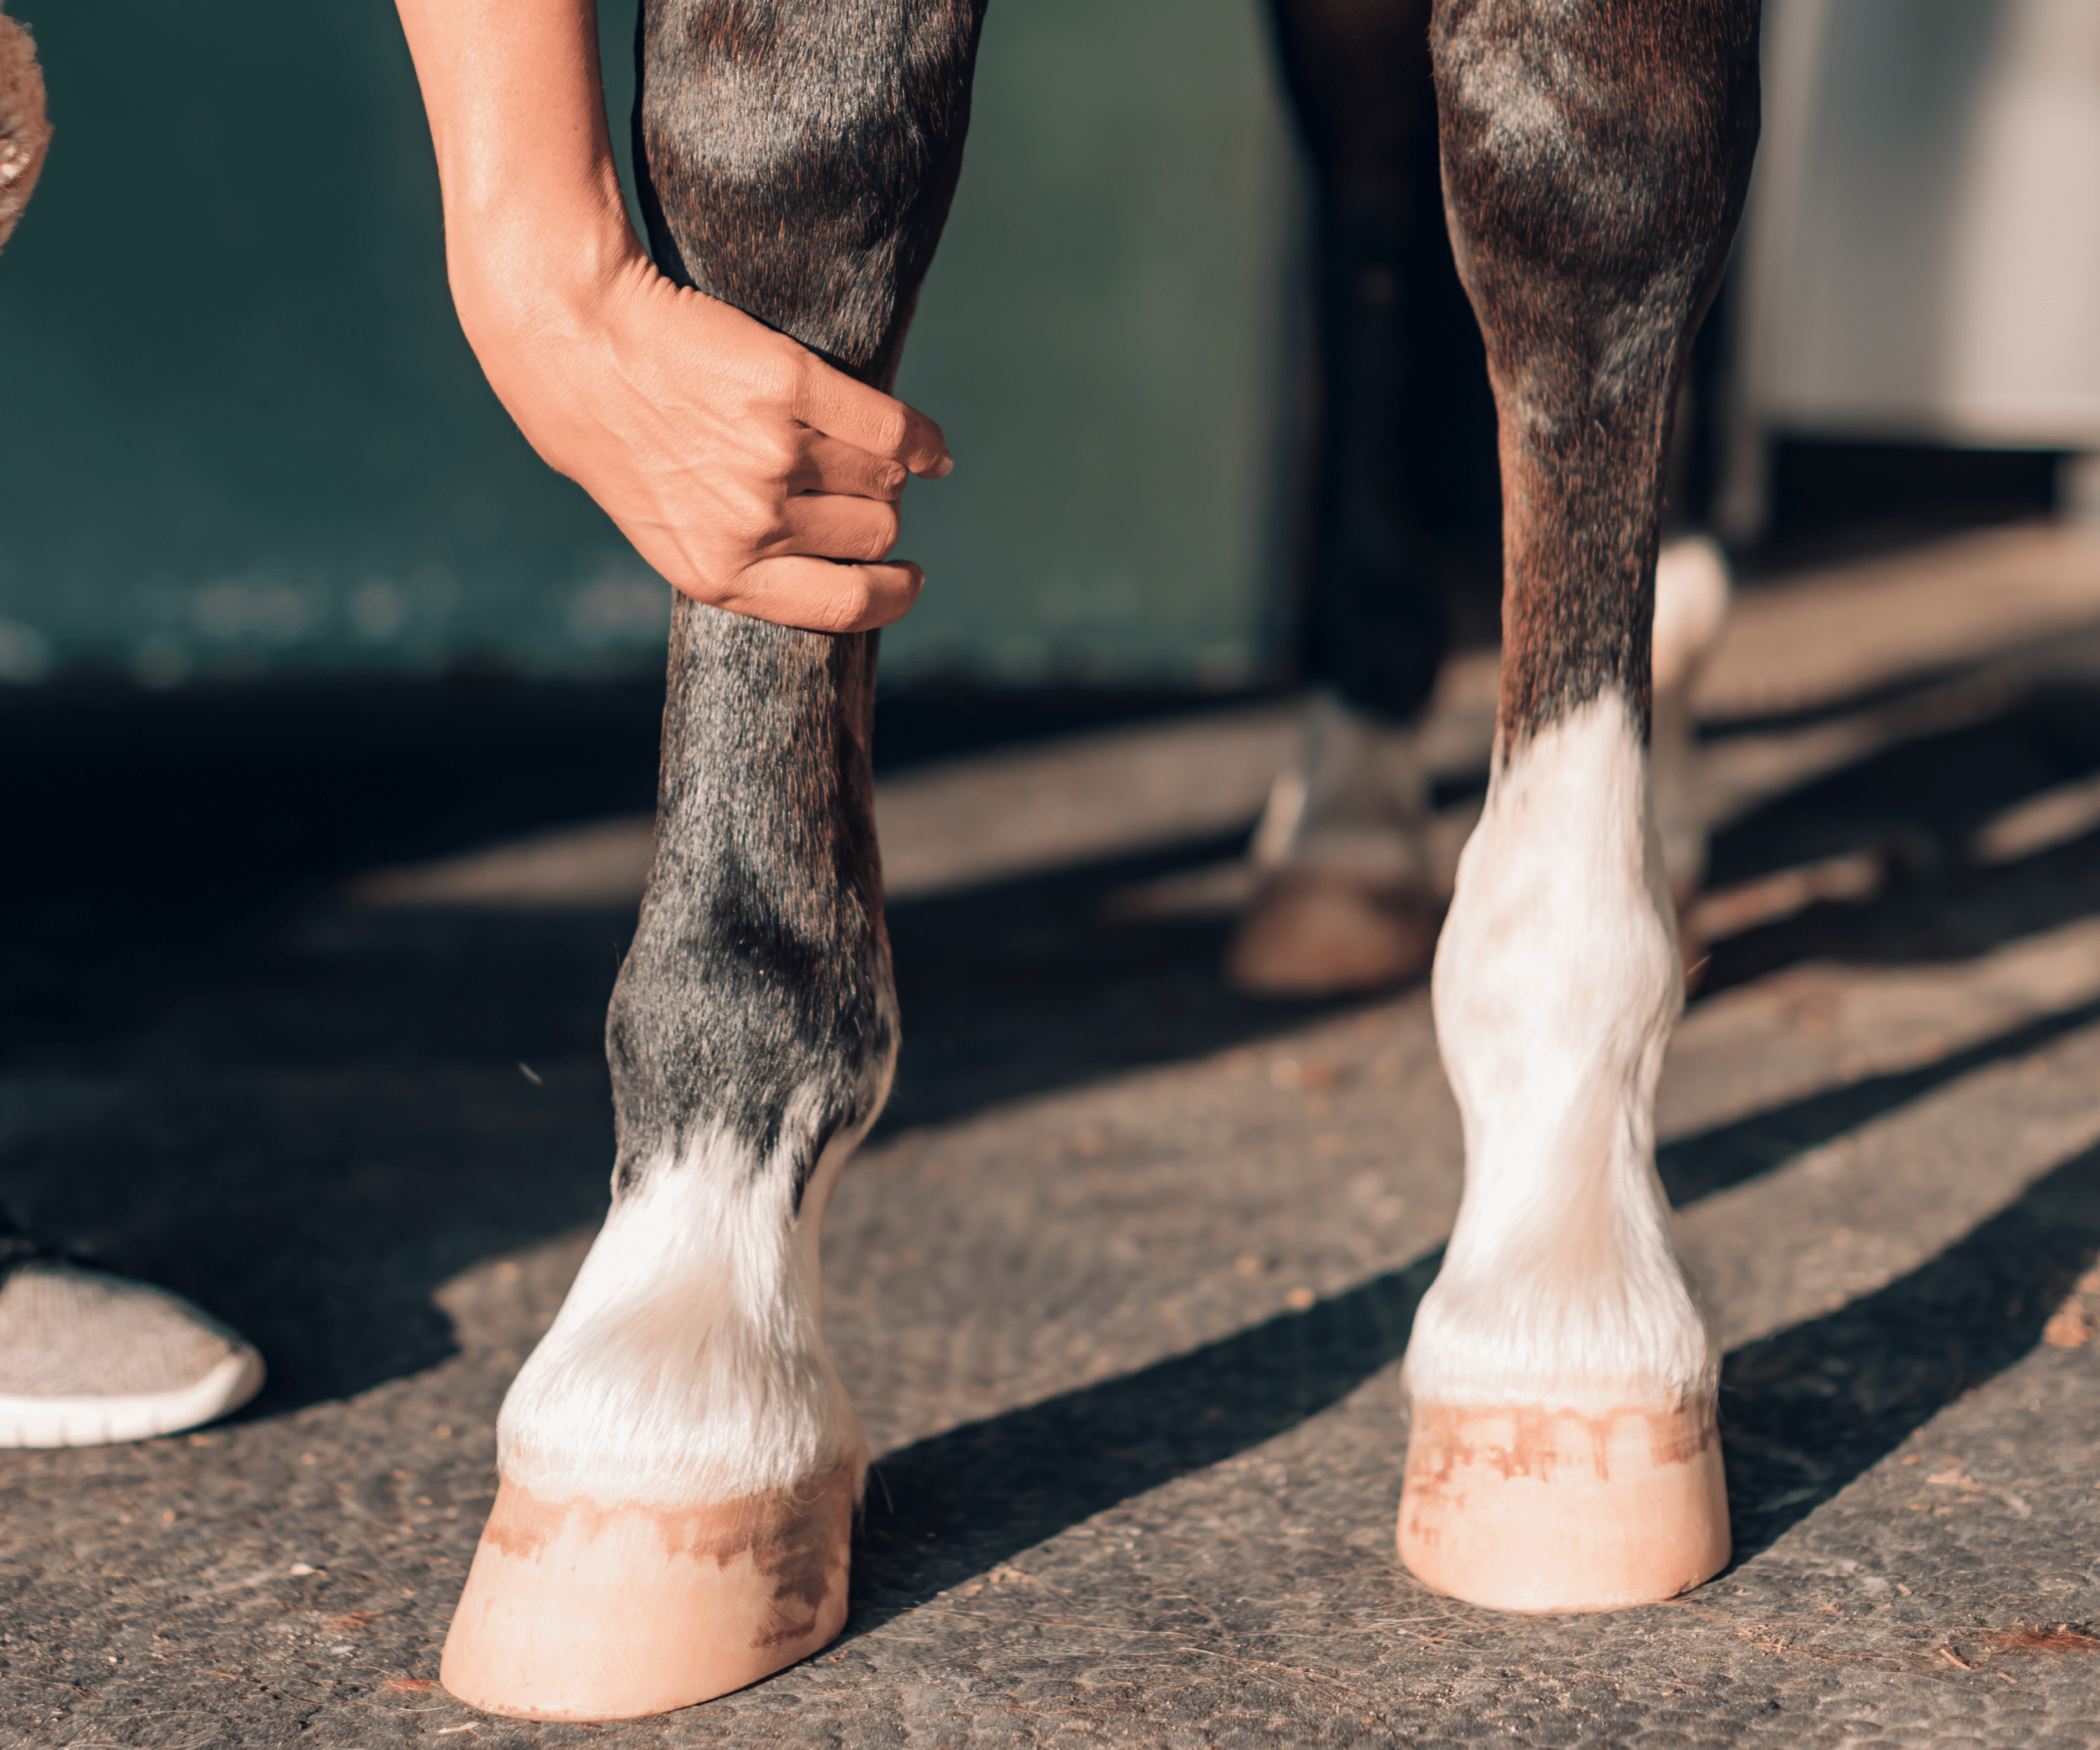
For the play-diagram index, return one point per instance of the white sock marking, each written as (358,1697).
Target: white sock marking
(687,1365)
(1692,606)
(1556,986)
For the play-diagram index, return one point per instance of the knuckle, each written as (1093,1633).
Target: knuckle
(850,602)
(777,378)
(759,520)
(875,536)
(892,430)
(703,585)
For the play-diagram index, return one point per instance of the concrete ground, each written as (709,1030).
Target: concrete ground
(1122,1283)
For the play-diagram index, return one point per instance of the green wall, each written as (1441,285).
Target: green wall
(240,432)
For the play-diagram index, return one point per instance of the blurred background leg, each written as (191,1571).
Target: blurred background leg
(1402,454)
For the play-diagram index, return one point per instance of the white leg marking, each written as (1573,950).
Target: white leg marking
(688,1363)
(1556,986)
(1692,606)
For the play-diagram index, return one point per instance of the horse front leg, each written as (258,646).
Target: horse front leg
(679,1462)
(1564,1453)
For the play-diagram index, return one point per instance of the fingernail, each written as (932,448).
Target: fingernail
(942,469)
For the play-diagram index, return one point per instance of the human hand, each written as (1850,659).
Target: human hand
(754,476)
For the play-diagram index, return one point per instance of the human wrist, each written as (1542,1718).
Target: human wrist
(534,218)
(519,266)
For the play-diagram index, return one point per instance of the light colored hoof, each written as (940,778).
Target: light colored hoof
(1531,1509)
(1314,932)
(577,1609)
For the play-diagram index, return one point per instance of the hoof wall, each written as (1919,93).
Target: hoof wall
(1314,933)
(1533,1509)
(580,1610)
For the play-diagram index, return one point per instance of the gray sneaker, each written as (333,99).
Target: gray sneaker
(87,1359)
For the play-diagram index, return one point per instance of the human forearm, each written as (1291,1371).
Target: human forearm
(532,203)
(753,475)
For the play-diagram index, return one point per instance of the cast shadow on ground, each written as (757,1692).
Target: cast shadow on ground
(1711,1160)
(322,1173)
(1916,807)
(163,835)
(360,1132)
(1023,986)
(347,1108)
(945,1508)
(311,1135)
(1028,985)
(1803,1413)
(1807,1410)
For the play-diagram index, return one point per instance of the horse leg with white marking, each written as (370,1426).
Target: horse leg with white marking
(1354,888)
(679,1462)
(1564,1452)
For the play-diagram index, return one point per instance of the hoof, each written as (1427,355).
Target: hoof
(1530,1509)
(1314,932)
(580,1610)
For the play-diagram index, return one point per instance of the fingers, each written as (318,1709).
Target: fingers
(836,405)
(829,464)
(821,597)
(825,526)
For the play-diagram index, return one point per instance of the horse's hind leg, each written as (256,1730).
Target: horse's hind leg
(1350,898)
(1564,1453)
(679,1463)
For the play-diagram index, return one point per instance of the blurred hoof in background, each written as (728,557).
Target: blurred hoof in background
(88,1359)
(580,1610)
(1349,901)
(1313,932)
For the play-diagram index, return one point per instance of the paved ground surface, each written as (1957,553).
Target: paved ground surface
(1121,1286)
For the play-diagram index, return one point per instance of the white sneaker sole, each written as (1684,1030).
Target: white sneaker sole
(110,1421)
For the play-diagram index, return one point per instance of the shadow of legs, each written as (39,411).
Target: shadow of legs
(1806,1410)
(945,1508)
(1803,1413)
